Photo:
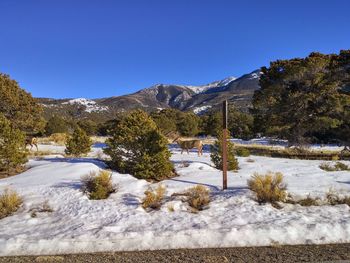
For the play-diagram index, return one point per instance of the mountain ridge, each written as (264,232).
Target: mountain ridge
(160,96)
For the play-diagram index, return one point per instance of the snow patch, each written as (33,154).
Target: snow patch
(91,106)
(201,109)
(119,223)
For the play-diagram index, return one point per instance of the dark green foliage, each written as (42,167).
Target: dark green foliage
(98,186)
(12,147)
(216,155)
(19,107)
(242,152)
(79,143)
(56,125)
(188,124)
(104,128)
(240,124)
(137,147)
(89,126)
(166,120)
(211,123)
(304,100)
(171,120)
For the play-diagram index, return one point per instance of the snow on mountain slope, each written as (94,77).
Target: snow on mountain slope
(91,106)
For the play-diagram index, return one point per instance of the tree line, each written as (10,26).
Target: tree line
(303,100)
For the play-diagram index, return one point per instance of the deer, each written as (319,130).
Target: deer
(188,144)
(32,141)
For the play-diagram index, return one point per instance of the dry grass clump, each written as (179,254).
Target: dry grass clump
(43,208)
(154,198)
(334,198)
(10,201)
(308,201)
(198,197)
(98,186)
(59,138)
(269,188)
(338,166)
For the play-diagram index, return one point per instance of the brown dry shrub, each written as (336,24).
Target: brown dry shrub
(269,188)
(198,197)
(154,198)
(10,201)
(59,138)
(338,166)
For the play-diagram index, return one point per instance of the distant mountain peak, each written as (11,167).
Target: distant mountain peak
(196,98)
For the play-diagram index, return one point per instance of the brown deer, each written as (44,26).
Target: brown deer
(188,144)
(32,141)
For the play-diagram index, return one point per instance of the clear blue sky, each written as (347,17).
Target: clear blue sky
(100,48)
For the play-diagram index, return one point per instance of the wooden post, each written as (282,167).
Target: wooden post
(224,145)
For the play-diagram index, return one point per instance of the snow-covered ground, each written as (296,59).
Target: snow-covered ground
(78,224)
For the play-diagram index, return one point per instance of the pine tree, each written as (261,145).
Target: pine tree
(301,99)
(19,107)
(56,124)
(216,154)
(79,144)
(136,146)
(12,147)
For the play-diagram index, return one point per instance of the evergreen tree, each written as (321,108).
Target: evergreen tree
(19,107)
(56,124)
(212,123)
(166,120)
(136,146)
(240,124)
(216,154)
(89,126)
(188,124)
(300,98)
(12,147)
(79,144)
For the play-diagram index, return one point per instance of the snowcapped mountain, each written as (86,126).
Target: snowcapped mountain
(183,97)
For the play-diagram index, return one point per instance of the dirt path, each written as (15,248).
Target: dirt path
(306,253)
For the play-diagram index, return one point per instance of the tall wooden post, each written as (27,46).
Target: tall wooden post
(224,145)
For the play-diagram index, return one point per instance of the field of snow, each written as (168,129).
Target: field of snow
(78,224)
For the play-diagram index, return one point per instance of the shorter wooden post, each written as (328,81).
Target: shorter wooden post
(224,145)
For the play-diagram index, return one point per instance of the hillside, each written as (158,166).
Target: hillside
(186,98)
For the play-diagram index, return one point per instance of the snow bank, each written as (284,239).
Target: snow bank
(78,224)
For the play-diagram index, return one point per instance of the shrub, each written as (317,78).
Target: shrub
(10,201)
(198,197)
(269,188)
(98,186)
(12,147)
(242,152)
(216,155)
(334,198)
(89,126)
(56,124)
(308,201)
(153,198)
(43,208)
(19,107)
(338,166)
(137,147)
(79,144)
(341,166)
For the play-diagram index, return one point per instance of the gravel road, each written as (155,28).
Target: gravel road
(303,253)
